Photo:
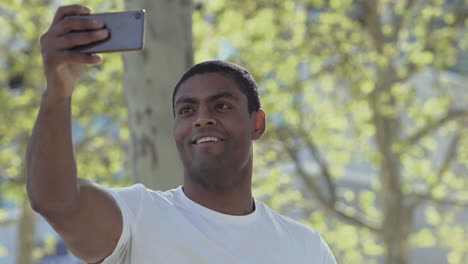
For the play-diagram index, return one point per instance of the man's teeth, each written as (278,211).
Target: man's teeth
(206,139)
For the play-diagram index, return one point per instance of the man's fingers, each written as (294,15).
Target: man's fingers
(73,57)
(75,24)
(71,40)
(68,30)
(70,10)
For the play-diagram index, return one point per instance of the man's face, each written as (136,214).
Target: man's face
(213,129)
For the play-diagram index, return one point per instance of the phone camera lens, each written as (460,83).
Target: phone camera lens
(137,15)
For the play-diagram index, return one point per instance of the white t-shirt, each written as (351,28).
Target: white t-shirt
(168,227)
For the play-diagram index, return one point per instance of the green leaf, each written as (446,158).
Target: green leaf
(424,238)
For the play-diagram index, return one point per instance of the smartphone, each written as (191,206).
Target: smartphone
(126,32)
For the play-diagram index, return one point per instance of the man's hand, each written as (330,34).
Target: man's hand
(61,65)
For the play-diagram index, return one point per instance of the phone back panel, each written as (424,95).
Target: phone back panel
(126,32)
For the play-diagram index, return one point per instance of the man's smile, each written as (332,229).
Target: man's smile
(207,139)
(203,139)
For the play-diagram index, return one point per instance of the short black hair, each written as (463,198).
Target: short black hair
(241,76)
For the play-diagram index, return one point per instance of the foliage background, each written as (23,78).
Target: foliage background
(317,64)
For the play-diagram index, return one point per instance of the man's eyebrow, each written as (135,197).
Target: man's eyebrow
(223,95)
(186,100)
(212,98)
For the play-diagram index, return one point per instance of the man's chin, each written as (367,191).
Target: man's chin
(208,165)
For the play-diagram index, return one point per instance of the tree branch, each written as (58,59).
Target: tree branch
(8,221)
(372,22)
(430,198)
(461,13)
(400,20)
(323,164)
(450,155)
(412,69)
(327,204)
(325,172)
(451,115)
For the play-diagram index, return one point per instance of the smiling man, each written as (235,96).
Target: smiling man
(212,218)
(216,119)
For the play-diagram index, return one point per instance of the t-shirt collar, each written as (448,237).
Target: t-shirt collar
(214,215)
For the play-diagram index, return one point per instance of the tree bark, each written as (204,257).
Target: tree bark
(26,234)
(397,220)
(149,79)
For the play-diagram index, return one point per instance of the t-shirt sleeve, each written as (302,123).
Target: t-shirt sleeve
(318,250)
(129,201)
(326,253)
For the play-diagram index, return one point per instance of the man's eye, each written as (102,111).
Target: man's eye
(223,106)
(185,110)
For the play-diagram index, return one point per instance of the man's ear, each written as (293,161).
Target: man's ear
(259,118)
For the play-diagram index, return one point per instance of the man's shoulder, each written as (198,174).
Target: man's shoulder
(139,193)
(141,188)
(304,236)
(289,224)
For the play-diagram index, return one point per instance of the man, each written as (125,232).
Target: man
(213,218)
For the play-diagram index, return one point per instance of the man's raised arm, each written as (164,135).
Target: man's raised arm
(85,216)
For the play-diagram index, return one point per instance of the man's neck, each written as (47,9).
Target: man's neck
(234,201)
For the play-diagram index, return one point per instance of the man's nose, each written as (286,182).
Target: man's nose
(204,121)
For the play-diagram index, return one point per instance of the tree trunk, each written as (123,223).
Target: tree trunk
(396,239)
(26,235)
(149,79)
(397,221)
